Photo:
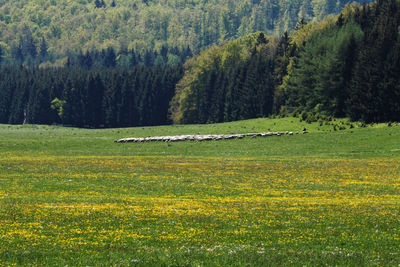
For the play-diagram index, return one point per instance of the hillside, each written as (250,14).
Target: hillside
(33,31)
(343,66)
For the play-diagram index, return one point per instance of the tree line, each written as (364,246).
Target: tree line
(28,53)
(118,97)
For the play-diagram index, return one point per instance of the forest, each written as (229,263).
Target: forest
(343,66)
(33,32)
(87,98)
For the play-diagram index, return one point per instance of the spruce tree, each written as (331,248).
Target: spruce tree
(43,49)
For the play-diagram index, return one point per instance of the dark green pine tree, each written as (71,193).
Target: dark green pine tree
(112,100)
(1,55)
(232,101)
(265,86)
(303,80)
(282,57)
(40,110)
(340,20)
(390,85)
(109,57)
(43,49)
(248,96)
(206,88)
(67,109)
(94,102)
(349,58)
(159,114)
(146,99)
(73,109)
(129,116)
(7,89)
(21,96)
(27,45)
(261,39)
(367,96)
(164,53)
(132,59)
(148,58)
(17,55)
(85,60)
(330,86)
(216,113)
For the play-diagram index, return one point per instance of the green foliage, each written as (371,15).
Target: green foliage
(345,66)
(71,26)
(58,105)
(319,76)
(342,66)
(87,98)
(233,79)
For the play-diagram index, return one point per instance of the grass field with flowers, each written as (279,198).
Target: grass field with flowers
(74,197)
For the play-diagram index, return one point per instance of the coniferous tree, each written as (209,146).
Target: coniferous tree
(94,101)
(129,116)
(43,49)
(216,110)
(17,55)
(133,60)
(109,58)
(1,55)
(40,110)
(248,95)
(148,59)
(7,90)
(20,98)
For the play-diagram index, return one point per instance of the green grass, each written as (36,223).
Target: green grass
(377,140)
(74,197)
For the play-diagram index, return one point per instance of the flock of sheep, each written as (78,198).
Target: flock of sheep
(208,137)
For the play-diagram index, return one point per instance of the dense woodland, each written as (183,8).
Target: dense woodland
(347,65)
(230,82)
(344,66)
(47,31)
(87,98)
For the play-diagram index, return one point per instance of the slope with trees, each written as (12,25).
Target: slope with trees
(343,66)
(230,82)
(349,65)
(36,31)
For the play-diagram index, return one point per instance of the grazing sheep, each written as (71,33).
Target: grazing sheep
(200,137)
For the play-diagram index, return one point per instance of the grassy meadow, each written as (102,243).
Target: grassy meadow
(73,197)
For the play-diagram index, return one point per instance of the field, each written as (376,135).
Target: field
(74,197)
